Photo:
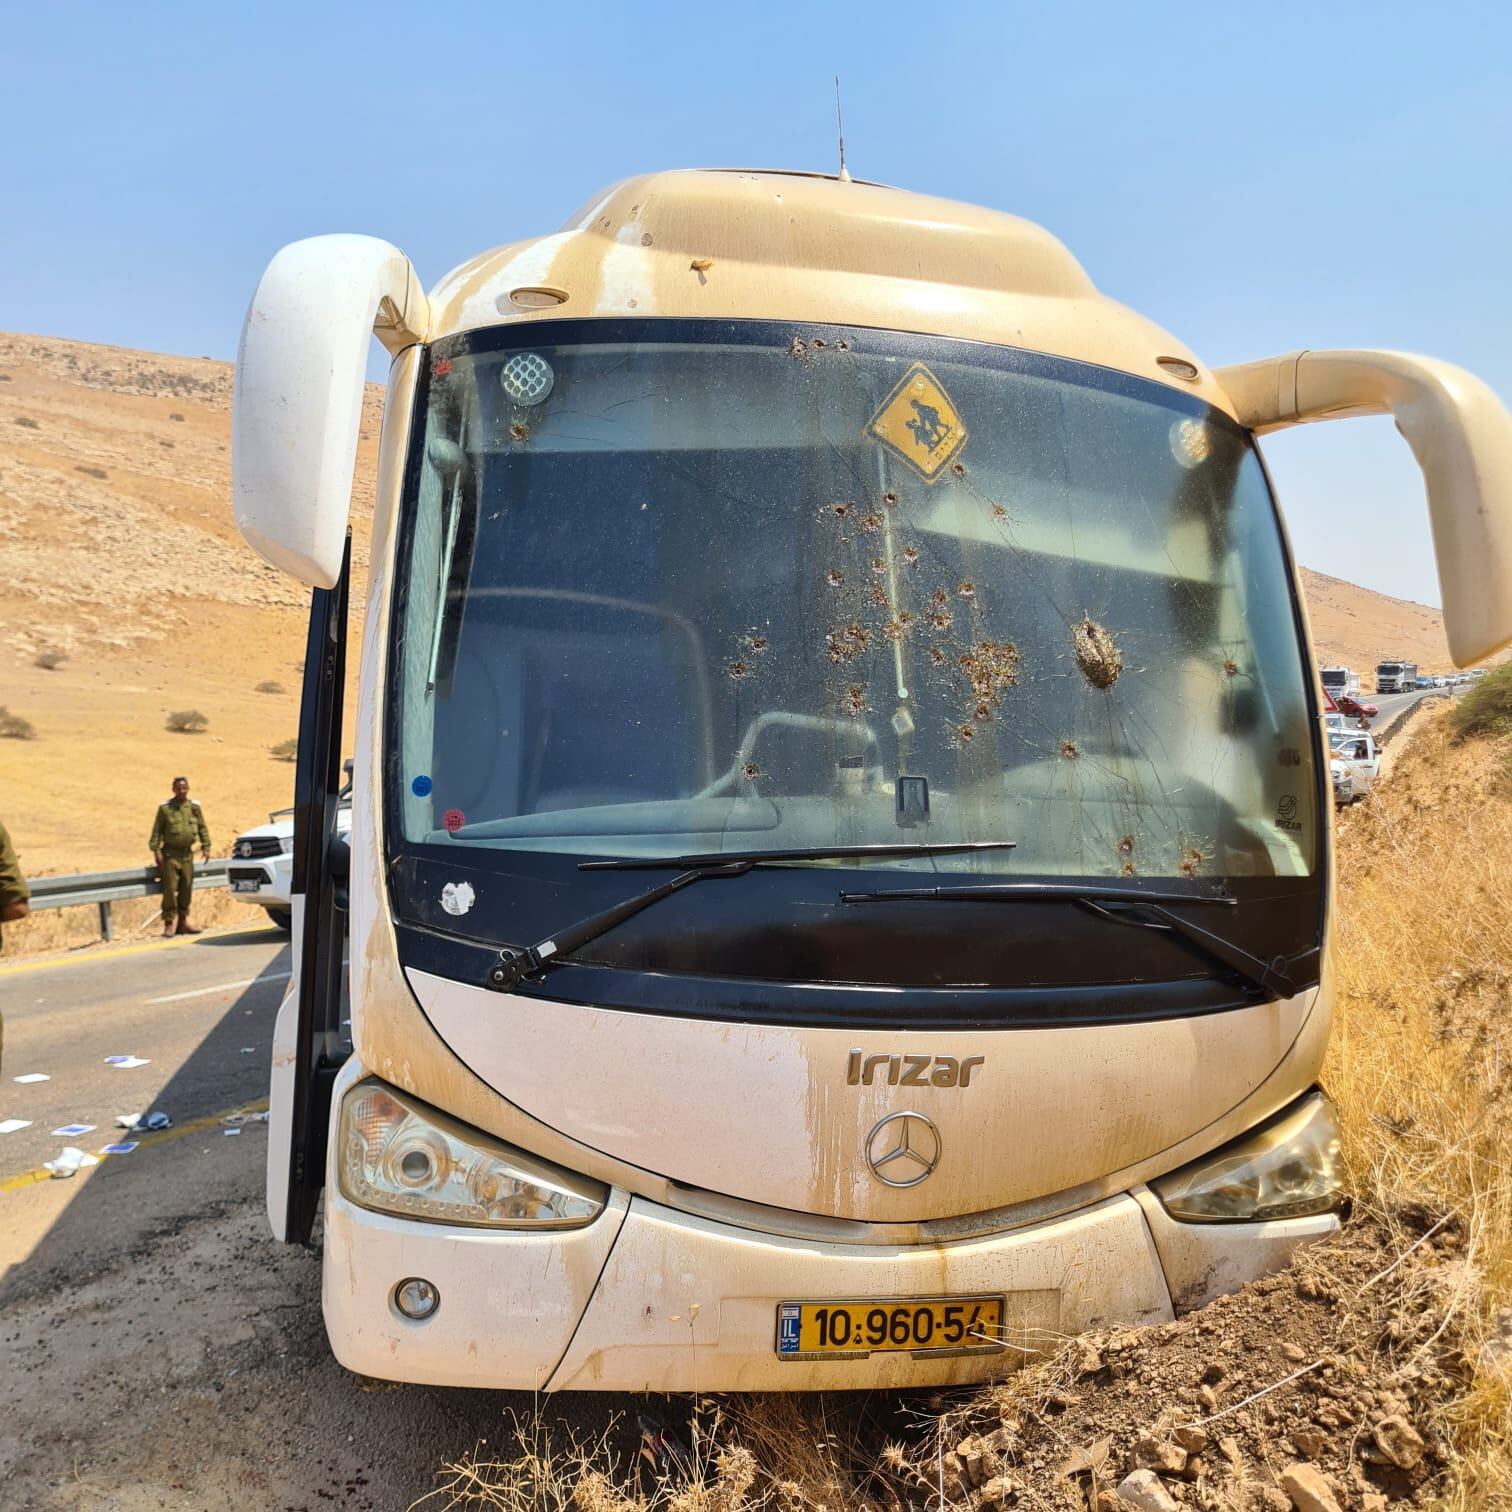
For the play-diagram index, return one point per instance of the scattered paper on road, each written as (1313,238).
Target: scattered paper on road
(69,1161)
(229,1132)
(72,1131)
(125,1148)
(11,1125)
(127,1120)
(126,1062)
(32,1076)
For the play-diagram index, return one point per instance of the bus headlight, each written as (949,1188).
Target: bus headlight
(398,1156)
(1287,1168)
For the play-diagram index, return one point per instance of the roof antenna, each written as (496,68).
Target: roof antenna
(845,177)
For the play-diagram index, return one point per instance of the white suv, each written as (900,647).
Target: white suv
(262,859)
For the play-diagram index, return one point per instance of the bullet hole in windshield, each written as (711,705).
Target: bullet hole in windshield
(967,590)
(750,771)
(878,565)
(739,671)
(798,349)
(938,619)
(1126,845)
(835,578)
(1192,861)
(847,643)
(1070,750)
(841,509)
(998,512)
(889,498)
(958,468)
(818,343)
(519,431)
(990,668)
(1097,654)
(965,734)
(756,643)
(910,556)
(871,523)
(854,701)
(1230,667)
(936,656)
(876,596)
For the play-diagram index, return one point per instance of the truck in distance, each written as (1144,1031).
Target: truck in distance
(839,871)
(1396,676)
(1339,681)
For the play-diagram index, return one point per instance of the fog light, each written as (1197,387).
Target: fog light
(416,1298)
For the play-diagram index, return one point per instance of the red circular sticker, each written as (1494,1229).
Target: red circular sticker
(453,820)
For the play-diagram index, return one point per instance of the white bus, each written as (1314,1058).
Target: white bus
(839,868)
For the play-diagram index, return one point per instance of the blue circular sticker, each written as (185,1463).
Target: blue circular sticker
(421,786)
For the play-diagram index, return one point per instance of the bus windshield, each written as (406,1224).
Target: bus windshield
(671,587)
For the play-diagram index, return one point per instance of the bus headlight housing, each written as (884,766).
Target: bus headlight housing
(398,1156)
(1289,1167)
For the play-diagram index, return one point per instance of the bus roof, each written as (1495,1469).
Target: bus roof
(769,245)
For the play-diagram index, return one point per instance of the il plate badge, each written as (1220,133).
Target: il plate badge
(919,424)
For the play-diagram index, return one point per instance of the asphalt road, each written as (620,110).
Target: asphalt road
(200,1014)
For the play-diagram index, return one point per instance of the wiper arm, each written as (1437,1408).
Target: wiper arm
(514,966)
(1122,905)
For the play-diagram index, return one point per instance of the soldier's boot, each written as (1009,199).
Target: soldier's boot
(168,929)
(185,927)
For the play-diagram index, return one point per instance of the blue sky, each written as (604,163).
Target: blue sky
(1254,179)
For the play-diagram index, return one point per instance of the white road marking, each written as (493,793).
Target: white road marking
(267,976)
(179,997)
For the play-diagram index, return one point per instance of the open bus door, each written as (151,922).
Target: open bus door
(308,1046)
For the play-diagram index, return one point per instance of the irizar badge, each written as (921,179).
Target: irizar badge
(919,423)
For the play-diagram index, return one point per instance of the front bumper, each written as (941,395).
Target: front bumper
(647,1298)
(267,880)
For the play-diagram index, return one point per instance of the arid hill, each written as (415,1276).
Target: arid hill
(121,558)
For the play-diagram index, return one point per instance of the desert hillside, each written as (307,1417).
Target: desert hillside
(122,567)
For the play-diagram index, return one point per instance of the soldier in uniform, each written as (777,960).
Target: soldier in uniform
(178,825)
(14,892)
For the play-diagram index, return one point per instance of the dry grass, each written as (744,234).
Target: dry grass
(1419,1060)
(1411,1305)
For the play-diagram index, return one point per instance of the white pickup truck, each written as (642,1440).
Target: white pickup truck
(1360,753)
(262,859)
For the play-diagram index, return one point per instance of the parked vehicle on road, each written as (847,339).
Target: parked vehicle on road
(262,859)
(1356,708)
(1396,677)
(1339,681)
(1363,757)
(838,859)
(1343,782)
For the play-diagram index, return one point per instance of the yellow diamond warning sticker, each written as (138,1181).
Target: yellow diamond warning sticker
(919,423)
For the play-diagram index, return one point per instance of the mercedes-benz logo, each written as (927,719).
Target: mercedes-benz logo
(902,1149)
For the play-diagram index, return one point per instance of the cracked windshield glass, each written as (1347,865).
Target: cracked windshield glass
(744,589)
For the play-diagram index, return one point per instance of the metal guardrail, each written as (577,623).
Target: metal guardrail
(105,888)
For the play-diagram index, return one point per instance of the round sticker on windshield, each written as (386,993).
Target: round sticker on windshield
(421,786)
(453,820)
(1191,442)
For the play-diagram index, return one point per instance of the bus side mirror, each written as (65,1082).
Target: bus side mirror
(296,407)
(1462,439)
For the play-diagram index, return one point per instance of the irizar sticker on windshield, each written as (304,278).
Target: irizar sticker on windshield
(918,423)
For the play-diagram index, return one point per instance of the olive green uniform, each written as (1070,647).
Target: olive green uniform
(13,888)
(178,828)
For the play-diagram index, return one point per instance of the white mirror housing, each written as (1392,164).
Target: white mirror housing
(1460,434)
(296,408)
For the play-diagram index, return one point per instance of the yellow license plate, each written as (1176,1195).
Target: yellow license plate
(918,1325)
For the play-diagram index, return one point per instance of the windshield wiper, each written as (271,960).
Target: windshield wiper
(1122,905)
(515,966)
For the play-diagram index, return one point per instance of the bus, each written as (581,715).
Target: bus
(1396,677)
(839,870)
